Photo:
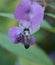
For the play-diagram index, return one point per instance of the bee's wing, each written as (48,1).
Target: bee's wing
(24,24)
(13,33)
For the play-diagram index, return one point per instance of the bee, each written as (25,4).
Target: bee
(26,35)
(26,38)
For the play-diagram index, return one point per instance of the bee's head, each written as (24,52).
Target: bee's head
(26,29)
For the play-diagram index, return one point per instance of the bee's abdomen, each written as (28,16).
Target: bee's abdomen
(26,46)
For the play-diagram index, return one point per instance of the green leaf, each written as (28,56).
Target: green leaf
(34,54)
(51,15)
(46,26)
(8,15)
(5,59)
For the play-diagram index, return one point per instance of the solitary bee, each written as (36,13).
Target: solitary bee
(26,38)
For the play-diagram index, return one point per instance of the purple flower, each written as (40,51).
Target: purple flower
(29,14)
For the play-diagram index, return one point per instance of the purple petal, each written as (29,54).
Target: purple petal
(14,34)
(24,24)
(35,29)
(21,12)
(32,40)
(38,13)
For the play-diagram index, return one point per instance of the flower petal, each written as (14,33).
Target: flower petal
(38,13)
(14,34)
(24,24)
(22,8)
(32,40)
(34,29)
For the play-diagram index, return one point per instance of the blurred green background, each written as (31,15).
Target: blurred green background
(41,53)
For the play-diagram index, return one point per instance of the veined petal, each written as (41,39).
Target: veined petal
(21,12)
(14,34)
